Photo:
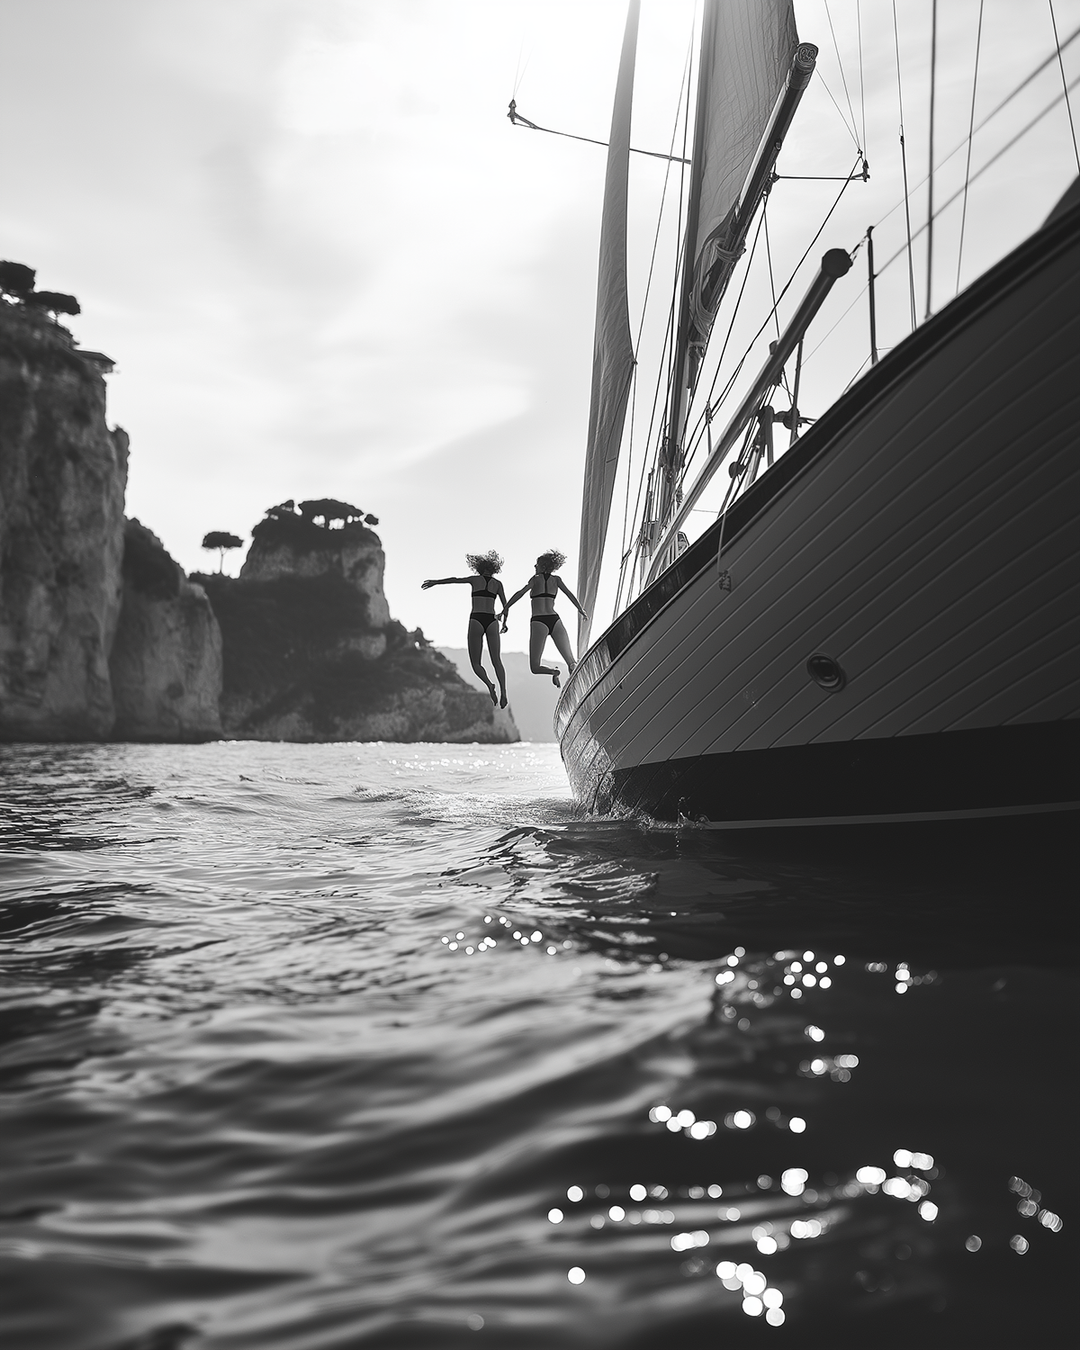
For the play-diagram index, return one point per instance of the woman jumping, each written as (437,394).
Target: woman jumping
(545,586)
(485,591)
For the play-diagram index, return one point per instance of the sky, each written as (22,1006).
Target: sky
(326,264)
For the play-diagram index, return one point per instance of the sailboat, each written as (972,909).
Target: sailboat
(878,624)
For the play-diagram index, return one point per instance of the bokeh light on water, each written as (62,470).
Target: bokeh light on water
(334,1046)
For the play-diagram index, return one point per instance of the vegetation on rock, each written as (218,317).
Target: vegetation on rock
(221,540)
(16,280)
(17,287)
(53,302)
(148,567)
(283,527)
(327,509)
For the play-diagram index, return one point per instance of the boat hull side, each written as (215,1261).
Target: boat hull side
(988,772)
(927,541)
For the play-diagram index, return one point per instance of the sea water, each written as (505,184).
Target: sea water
(315,1047)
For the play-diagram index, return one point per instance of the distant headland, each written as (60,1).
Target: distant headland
(104,637)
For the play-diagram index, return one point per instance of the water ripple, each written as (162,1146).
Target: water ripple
(336,1046)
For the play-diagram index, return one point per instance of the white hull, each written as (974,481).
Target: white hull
(923,535)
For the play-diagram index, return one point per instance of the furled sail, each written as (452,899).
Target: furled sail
(749,52)
(747,47)
(613,351)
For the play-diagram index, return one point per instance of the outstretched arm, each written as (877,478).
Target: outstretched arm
(573,598)
(445,581)
(512,601)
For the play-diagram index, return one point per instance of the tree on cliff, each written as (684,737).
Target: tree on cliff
(327,509)
(54,302)
(16,280)
(221,540)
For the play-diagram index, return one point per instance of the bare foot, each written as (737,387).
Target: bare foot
(555,680)
(494,695)
(504,700)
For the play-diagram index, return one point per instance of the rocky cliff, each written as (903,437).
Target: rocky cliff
(62,480)
(102,636)
(165,663)
(312,654)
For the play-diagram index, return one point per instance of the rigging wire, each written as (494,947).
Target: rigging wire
(839,62)
(991,115)
(862,86)
(992,160)
(854,377)
(519,121)
(825,336)
(630,521)
(903,160)
(847,127)
(967,141)
(710,405)
(768,255)
(626,501)
(971,130)
(944,207)
(627,518)
(519,72)
(695,436)
(1061,67)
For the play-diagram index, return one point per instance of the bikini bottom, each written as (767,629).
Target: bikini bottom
(548,620)
(483,618)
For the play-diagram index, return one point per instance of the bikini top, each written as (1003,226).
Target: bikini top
(491,595)
(546,594)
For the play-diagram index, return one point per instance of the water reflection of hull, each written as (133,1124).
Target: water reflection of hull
(915,551)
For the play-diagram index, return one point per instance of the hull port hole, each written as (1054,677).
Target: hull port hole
(825,671)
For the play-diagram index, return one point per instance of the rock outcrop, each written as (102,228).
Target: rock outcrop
(62,481)
(287,545)
(311,653)
(166,657)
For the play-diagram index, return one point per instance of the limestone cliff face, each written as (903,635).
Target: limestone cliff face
(166,663)
(286,545)
(62,481)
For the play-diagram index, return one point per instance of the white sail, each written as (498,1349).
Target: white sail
(747,48)
(613,351)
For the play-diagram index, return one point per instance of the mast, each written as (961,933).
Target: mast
(751,65)
(613,349)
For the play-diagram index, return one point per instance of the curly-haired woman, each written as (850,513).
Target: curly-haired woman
(544,586)
(482,621)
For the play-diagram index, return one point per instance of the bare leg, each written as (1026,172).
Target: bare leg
(538,635)
(476,648)
(494,642)
(562,641)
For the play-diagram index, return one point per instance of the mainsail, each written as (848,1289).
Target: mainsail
(613,350)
